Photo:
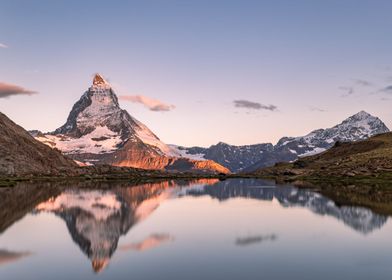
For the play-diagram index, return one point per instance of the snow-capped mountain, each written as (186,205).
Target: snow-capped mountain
(99,131)
(97,125)
(251,157)
(357,127)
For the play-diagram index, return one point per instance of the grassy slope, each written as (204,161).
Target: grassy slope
(371,158)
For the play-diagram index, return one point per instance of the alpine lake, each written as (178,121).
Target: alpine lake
(189,229)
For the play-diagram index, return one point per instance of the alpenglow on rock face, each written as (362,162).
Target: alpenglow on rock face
(252,157)
(98,131)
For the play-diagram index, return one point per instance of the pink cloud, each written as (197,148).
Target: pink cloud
(150,103)
(7,90)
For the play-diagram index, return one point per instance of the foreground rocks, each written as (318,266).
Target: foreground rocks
(21,154)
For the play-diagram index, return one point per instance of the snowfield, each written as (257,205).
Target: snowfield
(99,141)
(183,152)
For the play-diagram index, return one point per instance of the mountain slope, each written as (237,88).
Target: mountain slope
(370,157)
(357,127)
(98,131)
(21,154)
(233,157)
(252,157)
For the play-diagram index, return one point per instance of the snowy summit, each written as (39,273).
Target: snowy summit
(98,131)
(99,80)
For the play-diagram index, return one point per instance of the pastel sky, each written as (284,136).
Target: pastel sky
(240,72)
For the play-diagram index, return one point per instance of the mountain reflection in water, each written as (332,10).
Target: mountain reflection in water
(97,217)
(359,218)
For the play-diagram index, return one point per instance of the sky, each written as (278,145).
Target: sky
(200,72)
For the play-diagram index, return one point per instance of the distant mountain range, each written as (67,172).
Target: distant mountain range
(249,158)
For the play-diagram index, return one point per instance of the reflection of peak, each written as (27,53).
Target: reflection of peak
(99,204)
(99,264)
(150,205)
(359,218)
(97,218)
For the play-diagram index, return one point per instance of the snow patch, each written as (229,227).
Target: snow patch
(147,137)
(101,140)
(183,152)
(315,151)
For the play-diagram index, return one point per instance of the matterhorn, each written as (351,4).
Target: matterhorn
(98,131)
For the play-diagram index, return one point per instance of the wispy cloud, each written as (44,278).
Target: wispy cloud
(7,90)
(347,91)
(317,109)
(361,82)
(3,46)
(253,105)
(387,89)
(150,103)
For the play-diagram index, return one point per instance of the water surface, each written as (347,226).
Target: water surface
(205,229)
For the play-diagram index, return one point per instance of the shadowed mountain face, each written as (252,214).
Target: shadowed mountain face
(98,214)
(21,154)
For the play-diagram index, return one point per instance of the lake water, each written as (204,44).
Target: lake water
(205,229)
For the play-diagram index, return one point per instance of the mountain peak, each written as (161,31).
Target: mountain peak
(364,119)
(362,114)
(99,80)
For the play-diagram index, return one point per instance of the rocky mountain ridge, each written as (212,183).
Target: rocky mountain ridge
(248,158)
